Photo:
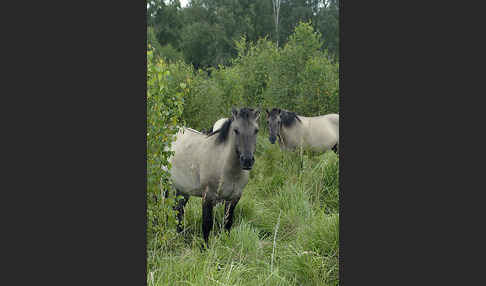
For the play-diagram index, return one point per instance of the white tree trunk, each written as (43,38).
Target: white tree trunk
(276,10)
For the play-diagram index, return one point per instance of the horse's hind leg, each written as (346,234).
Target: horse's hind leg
(229,208)
(335,149)
(179,207)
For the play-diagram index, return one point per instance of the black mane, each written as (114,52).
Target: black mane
(222,132)
(288,117)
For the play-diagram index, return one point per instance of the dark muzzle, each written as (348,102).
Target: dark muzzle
(247,162)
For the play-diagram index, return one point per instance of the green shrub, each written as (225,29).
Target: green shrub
(298,77)
(164,110)
(153,42)
(303,79)
(254,64)
(318,87)
(203,104)
(231,89)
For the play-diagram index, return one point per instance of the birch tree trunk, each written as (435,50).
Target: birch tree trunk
(276,10)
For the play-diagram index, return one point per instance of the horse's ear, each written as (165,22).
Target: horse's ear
(268,112)
(234,111)
(279,111)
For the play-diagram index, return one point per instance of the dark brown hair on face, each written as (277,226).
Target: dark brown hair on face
(274,122)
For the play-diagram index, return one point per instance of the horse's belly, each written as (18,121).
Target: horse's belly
(229,190)
(186,180)
(231,193)
(323,141)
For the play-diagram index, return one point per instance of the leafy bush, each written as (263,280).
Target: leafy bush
(231,89)
(254,64)
(298,77)
(203,104)
(318,87)
(304,80)
(164,110)
(153,42)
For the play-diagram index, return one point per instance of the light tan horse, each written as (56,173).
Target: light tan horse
(215,166)
(319,133)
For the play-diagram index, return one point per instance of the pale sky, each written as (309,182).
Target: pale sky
(184,3)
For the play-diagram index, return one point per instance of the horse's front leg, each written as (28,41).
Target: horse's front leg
(207,216)
(229,208)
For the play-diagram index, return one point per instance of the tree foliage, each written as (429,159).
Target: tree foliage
(205,31)
(299,76)
(303,78)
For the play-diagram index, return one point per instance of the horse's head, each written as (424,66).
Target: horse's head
(245,128)
(274,122)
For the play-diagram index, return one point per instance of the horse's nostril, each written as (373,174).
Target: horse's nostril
(247,161)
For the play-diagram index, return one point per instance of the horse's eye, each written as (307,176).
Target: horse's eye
(236,131)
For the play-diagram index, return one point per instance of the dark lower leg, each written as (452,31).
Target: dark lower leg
(207,216)
(179,207)
(229,208)
(335,149)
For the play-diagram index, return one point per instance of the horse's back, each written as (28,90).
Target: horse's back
(333,118)
(186,137)
(334,122)
(194,130)
(323,122)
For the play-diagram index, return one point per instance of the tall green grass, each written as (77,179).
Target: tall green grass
(285,231)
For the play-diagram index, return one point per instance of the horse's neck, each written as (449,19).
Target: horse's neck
(231,161)
(291,136)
